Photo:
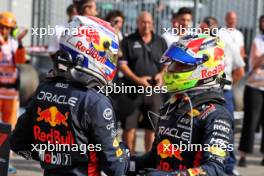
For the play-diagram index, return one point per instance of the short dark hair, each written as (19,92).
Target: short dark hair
(70,9)
(184,10)
(210,21)
(80,3)
(113,14)
(174,15)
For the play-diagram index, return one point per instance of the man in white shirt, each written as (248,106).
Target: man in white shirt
(231,35)
(234,69)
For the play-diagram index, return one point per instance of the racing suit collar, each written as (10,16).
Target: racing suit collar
(181,104)
(76,77)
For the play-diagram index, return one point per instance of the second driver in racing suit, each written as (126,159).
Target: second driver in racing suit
(69,126)
(194,129)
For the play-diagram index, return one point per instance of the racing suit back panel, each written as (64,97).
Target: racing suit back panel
(71,130)
(59,122)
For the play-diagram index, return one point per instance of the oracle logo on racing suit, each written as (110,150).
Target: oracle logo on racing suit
(209,73)
(174,132)
(58,99)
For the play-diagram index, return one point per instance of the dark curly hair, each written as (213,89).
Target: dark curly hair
(80,4)
(184,10)
(114,13)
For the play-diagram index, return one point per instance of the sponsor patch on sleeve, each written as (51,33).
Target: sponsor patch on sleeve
(108,114)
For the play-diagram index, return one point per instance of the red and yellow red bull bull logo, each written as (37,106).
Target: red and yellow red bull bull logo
(102,23)
(218,54)
(92,36)
(53,116)
(205,73)
(53,136)
(166,149)
(196,172)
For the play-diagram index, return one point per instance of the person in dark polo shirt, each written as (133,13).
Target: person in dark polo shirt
(141,66)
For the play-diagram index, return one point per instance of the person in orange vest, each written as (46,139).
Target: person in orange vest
(12,52)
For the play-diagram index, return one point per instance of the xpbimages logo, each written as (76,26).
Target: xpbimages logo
(116,89)
(82,148)
(62,30)
(195,30)
(166,149)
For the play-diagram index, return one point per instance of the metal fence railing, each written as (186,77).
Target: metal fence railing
(247,11)
(161,10)
(47,13)
(50,12)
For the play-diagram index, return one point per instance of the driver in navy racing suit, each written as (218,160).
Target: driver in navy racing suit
(194,130)
(68,126)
